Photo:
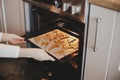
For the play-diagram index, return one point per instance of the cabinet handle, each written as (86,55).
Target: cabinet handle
(98,20)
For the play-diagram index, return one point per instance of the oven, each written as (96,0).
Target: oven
(41,21)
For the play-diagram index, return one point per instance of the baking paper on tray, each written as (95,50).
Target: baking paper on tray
(57,43)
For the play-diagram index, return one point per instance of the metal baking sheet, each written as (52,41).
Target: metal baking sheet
(57,43)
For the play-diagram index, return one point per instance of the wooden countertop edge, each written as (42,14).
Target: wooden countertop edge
(106,4)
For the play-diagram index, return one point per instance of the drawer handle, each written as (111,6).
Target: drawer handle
(98,20)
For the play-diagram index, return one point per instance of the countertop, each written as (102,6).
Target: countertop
(110,4)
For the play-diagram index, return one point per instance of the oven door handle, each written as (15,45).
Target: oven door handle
(98,20)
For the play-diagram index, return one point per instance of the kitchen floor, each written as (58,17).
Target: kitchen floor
(29,69)
(13,69)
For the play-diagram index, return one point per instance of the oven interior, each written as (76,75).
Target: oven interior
(68,68)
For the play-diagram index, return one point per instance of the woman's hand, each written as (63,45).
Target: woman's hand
(35,53)
(12,38)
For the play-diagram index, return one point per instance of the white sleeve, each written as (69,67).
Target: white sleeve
(1,36)
(9,51)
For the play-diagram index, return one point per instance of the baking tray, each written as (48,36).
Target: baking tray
(57,43)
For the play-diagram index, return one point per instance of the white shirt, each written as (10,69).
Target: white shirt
(8,51)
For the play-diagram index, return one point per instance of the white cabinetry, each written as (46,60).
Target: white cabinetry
(100,35)
(114,63)
(14,13)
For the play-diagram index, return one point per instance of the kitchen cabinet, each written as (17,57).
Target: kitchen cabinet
(14,13)
(114,62)
(99,43)
(1,21)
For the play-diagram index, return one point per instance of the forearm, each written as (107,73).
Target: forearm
(26,52)
(12,51)
(9,51)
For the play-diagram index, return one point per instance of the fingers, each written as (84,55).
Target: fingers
(41,55)
(17,41)
(48,57)
(45,55)
(14,39)
(51,58)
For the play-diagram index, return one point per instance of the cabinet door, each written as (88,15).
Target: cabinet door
(14,16)
(100,34)
(1,20)
(114,64)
